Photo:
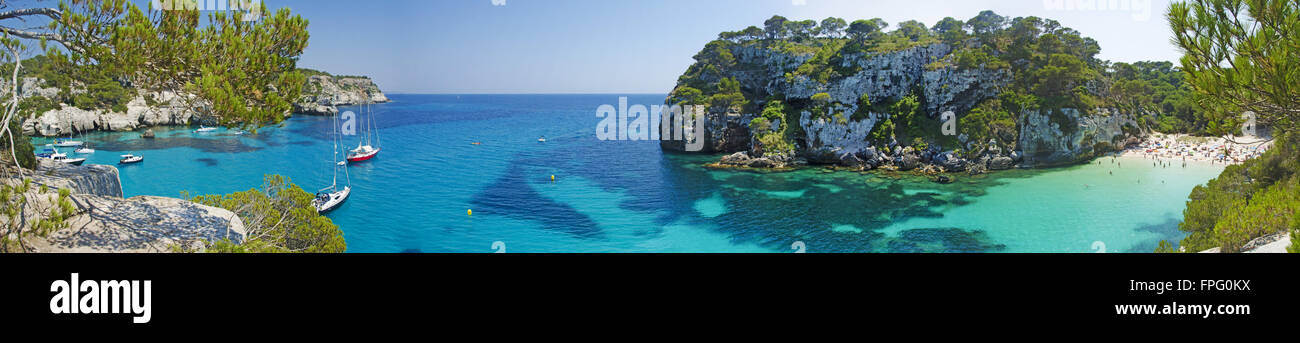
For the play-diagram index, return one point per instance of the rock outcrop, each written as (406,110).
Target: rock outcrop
(146,109)
(324,93)
(833,138)
(1044,142)
(321,96)
(105,222)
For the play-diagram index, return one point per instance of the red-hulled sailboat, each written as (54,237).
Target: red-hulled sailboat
(367,148)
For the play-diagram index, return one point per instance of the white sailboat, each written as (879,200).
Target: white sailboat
(329,198)
(69,142)
(367,148)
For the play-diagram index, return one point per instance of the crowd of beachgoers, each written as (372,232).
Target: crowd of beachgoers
(1180,148)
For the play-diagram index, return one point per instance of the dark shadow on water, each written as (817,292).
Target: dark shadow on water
(209,162)
(1167,230)
(512,196)
(206,145)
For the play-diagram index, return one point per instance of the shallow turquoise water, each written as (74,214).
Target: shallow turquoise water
(632,197)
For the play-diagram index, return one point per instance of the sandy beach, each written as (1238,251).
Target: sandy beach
(1174,149)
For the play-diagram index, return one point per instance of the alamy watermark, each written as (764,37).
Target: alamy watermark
(637,122)
(252,8)
(1140,9)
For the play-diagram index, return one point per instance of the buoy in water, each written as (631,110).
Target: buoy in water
(552,178)
(469,212)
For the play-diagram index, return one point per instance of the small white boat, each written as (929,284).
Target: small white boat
(541,140)
(85,150)
(328,201)
(129,159)
(205,129)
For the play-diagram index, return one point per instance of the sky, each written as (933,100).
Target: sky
(630,46)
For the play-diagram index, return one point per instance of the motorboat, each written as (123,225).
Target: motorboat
(130,159)
(203,129)
(85,150)
(55,155)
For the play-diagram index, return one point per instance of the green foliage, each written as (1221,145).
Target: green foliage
(728,95)
(23,149)
(279,218)
(1241,56)
(15,201)
(773,141)
(686,95)
(1246,201)
(1164,247)
(245,70)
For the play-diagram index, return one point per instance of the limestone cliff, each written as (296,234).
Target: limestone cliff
(832,137)
(322,94)
(105,222)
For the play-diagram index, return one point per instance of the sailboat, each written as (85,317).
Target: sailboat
(68,143)
(365,150)
(329,198)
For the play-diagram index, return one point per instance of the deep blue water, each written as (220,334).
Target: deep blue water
(618,196)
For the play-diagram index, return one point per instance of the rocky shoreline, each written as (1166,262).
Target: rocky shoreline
(104,221)
(322,95)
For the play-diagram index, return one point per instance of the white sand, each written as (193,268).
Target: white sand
(1179,148)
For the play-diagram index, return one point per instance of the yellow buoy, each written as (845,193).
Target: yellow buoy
(552,178)
(470,212)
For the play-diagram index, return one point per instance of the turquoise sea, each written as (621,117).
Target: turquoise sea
(632,197)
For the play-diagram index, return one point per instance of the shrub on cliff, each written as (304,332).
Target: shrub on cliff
(279,218)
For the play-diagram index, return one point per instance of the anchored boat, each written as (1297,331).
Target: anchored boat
(367,148)
(55,155)
(130,159)
(329,198)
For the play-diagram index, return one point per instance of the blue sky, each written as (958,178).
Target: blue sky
(628,46)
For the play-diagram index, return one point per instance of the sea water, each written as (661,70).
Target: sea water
(629,196)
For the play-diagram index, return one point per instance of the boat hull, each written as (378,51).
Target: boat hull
(336,199)
(363,157)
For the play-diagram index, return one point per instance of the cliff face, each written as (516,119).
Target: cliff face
(324,93)
(321,96)
(105,222)
(167,109)
(765,73)
(1045,143)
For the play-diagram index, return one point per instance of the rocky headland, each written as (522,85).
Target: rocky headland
(799,101)
(322,94)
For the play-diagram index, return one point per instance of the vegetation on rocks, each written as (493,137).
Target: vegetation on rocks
(279,218)
(1050,67)
(1243,56)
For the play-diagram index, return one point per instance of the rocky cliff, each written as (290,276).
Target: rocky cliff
(105,222)
(827,134)
(322,94)
(1045,143)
